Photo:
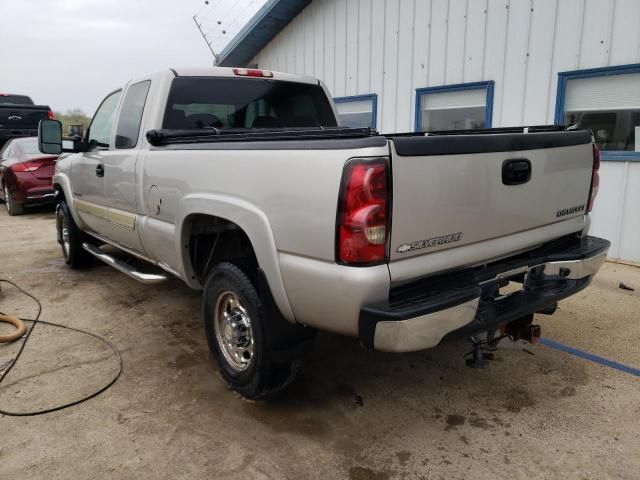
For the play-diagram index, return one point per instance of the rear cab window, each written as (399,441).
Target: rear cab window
(15,99)
(202,102)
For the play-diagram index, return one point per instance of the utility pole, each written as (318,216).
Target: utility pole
(216,58)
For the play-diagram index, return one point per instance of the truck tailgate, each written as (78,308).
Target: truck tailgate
(455,190)
(22,116)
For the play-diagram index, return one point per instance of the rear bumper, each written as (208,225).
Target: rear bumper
(419,315)
(27,188)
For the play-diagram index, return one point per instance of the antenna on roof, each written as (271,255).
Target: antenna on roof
(216,57)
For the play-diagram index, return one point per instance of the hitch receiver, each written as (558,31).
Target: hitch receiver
(523,329)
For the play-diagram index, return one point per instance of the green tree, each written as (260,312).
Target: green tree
(75,116)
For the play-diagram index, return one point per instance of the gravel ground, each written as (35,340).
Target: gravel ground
(352,414)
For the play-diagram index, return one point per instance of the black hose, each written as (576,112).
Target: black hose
(36,321)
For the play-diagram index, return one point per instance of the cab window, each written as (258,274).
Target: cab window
(102,123)
(204,102)
(131,115)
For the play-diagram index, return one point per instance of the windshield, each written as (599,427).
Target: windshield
(199,102)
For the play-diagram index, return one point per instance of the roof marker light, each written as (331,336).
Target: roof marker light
(252,72)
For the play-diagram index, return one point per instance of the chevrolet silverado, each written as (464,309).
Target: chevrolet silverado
(242,183)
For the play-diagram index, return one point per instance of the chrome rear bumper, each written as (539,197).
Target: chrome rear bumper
(413,320)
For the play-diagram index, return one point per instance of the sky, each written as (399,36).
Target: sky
(71,53)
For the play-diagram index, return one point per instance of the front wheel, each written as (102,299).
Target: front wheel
(235,327)
(71,238)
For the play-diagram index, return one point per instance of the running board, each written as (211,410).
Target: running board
(147,278)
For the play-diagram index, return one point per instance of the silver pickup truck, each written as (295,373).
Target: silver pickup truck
(241,183)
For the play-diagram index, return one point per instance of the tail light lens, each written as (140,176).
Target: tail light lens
(363,212)
(50,115)
(595,178)
(32,165)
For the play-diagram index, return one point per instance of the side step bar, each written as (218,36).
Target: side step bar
(147,278)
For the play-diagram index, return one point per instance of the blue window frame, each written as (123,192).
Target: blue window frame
(454,107)
(607,101)
(358,110)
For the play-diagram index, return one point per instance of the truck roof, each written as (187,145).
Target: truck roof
(12,98)
(229,72)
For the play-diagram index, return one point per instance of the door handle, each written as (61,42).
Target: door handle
(100,170)
(516,171)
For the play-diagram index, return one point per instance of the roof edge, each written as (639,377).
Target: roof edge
(272,17)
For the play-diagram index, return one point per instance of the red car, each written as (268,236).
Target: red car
(25,175)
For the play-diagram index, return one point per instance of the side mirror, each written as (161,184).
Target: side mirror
(50,137)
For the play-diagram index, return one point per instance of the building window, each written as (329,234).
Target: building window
(358,111)
(454,107)
(607,102)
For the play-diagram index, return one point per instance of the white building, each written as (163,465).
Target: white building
(404,65)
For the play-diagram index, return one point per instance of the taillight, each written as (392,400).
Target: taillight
(26,167)
(595,178)
(32,165)
(252,72)
(363,212)
(50,115)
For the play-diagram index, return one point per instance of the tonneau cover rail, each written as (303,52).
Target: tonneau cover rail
(487,141)
(212,134)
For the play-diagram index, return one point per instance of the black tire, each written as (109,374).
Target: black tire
(14,208)
(262,376)
(74,255)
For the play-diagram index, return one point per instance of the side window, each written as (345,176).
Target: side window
(5,151)
(607,104)
(358,111)
(100,128)
(454,107)
(131,115)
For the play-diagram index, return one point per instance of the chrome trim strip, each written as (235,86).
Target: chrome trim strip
(42,197)
(422,332)
(146,278)
(112,215)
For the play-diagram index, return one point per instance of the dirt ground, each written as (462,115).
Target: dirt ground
(352,414)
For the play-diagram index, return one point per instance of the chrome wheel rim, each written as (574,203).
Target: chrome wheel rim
(233,331)
(63,231)
(7,199)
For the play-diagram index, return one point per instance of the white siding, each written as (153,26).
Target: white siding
(392,47)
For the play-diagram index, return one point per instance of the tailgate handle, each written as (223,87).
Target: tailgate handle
(516,171)
(100,170)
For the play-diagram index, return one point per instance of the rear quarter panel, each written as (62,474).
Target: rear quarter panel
(285,199)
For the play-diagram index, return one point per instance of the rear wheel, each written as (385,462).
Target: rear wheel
(235,327)
(14,208)
(71,238)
